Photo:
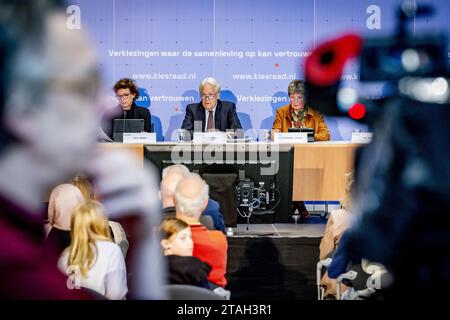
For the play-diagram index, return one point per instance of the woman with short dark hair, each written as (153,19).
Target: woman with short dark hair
(127,83)
(127,92)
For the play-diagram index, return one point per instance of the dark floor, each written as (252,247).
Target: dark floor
(274,261)
(274,268)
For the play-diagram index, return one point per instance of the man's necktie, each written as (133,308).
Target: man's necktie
(210,125)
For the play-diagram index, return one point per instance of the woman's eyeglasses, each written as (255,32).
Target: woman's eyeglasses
(123,96)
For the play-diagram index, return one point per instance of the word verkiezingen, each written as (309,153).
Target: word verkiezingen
(265,98)
(133,53)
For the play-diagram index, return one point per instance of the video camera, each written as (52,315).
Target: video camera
(404,56)
(401,196)
(253,198)
(391,59)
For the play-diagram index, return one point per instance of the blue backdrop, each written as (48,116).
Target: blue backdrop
(253,48)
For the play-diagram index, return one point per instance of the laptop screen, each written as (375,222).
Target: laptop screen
(309,130)
(126,125)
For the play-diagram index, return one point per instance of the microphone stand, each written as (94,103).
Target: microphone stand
(124,123)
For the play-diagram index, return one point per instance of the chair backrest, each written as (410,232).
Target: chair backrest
(187,292)
(207,221)
(221,189)
(120,237)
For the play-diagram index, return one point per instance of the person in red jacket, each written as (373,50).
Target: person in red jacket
(191,198)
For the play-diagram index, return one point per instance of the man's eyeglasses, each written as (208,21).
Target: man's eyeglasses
(208,97)
(123,96)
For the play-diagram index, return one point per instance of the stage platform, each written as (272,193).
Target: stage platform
(314,227)
(274,261)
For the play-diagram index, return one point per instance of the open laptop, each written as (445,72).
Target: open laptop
(126,125)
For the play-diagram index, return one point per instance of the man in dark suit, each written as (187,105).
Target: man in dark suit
(211,114)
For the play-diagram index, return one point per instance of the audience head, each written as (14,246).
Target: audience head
(175,168)
(83,183)
(168,185)
(126,92)
(88,225)
(177,237)
(209,92)
(49,90)
(63,199)
(191,198)
(296,91)
(347,201)
(171,176)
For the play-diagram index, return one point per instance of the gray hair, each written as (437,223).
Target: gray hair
(175,168)
(209,81)
(190,196)
(296,86)
(169,183)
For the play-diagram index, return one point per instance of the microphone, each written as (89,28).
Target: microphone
(124,129)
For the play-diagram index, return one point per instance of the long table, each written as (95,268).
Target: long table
(320,170)
(136,149)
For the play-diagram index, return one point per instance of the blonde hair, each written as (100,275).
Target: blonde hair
(88,225)
(171,226)
(347,201)
(84,184)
